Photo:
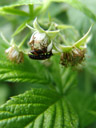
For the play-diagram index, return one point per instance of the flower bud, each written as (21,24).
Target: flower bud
(73,58)
(38,41)
(14,54)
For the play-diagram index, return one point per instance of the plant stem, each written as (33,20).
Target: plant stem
(45,6)
(30,27)
(23,41)
(51,25)
(63,39)
(31,9)
(4,39)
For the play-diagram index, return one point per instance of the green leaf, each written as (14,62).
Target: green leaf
(91,64)
(53,11)
(80,6)
(36,109)
(24,72)
(84,106)
(64,78)
(93,113)
(13,11)
(4,93)
(21,2)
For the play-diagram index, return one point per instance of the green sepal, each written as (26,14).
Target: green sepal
(37,26)
(52,34)
(84,40)
(63,26)
(65,48)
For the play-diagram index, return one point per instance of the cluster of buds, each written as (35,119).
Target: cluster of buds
(14,54)
(75,54)
(73,58)
(42,46)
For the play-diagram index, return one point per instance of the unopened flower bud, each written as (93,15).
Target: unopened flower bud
(73,58)
(38,41)
(14,54)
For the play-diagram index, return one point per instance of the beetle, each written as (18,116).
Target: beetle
(38,51)
(39,54)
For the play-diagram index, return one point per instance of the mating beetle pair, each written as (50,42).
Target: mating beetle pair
(40,54)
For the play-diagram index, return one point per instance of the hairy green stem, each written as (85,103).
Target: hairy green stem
(4,39)
(31,9)
(23,41)
(61,36)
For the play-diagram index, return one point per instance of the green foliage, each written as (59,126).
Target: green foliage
(38,108)
(19,3)
(19,73)
(68,96)
(86,104)
(78,5)
(4,92)
(13,11)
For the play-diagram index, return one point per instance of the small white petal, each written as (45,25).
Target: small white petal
(88,39)
(75,51)
(45,41)
(31,39)
(15,53)
(39,36)
(32,36)
(8,50)
(49,48)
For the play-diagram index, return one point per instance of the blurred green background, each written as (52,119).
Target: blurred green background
(83,94)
